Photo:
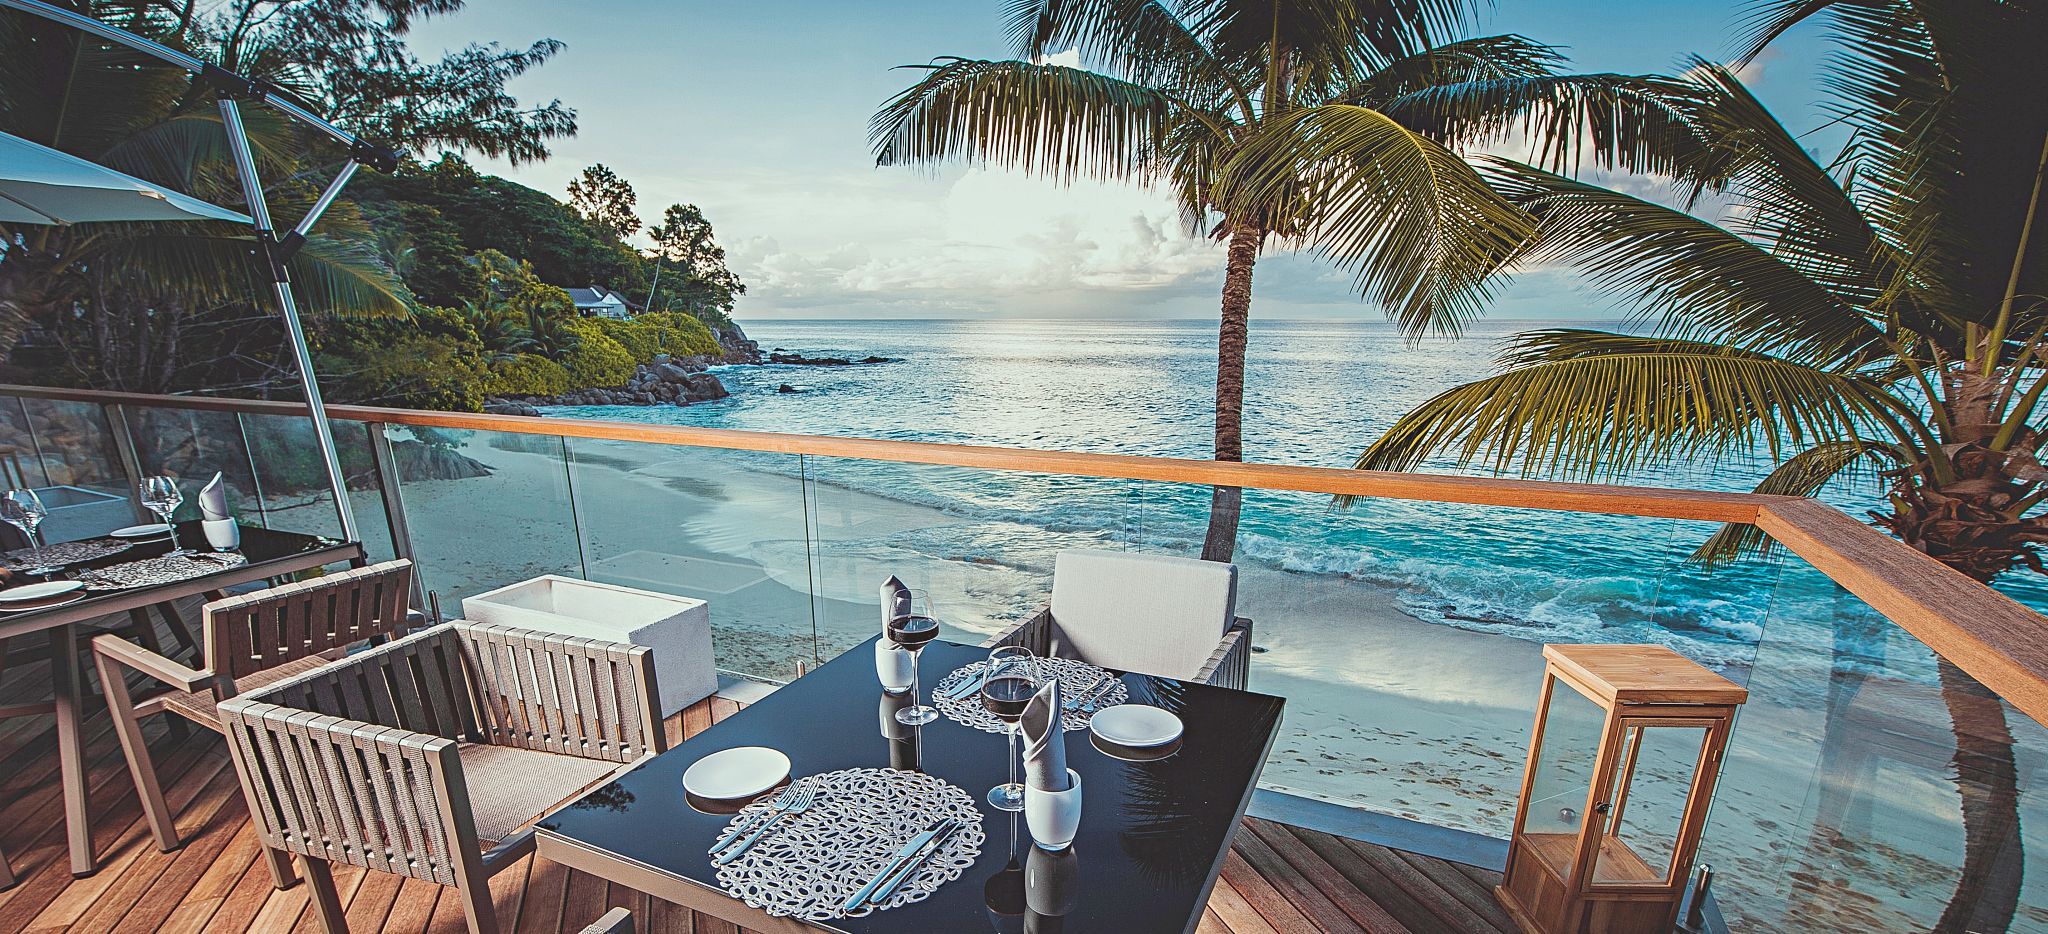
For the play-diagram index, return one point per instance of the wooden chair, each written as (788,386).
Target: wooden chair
(7,877)
(1152,614)
(413,757)
(615,921)
(251,640)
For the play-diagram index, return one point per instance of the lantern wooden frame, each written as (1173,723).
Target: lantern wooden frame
(1549,886)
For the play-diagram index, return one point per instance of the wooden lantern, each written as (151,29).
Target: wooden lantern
(1620,772)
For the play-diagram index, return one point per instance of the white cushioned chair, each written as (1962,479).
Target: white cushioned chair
(1150,614)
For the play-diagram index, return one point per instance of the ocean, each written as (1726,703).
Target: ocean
(1317,393)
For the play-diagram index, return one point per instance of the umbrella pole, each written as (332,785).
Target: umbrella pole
(273,261)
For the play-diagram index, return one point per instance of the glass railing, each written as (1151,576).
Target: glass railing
(1406,634)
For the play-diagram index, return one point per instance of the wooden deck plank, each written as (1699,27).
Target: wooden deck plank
(1277,880)
(1470,885)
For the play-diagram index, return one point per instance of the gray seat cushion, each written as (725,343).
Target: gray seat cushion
(1153,614)
(510,788)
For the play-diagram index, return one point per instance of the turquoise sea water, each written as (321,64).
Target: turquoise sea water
(1317,393)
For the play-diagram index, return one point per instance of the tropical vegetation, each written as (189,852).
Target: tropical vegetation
(1324,124)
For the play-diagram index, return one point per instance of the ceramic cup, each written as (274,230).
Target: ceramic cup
(1054,816)
(222,534)
(892,665)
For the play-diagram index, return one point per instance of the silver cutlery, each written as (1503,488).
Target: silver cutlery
(910,868)
(895,862)
(1088,703)
(968,685)
(1074,700)
(783,800)
(797,805)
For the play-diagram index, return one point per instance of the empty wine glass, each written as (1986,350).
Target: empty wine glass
(911,627)
(1011,682)
(162,496)
(24,510)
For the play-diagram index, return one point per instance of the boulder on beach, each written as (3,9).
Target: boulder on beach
(785,387)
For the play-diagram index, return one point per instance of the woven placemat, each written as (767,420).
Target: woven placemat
(91,549)
(164,570)
(1075,677)
(809,864)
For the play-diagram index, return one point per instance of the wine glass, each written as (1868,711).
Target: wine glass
(162,496)
(910,629)
(1011,682)
(24,510)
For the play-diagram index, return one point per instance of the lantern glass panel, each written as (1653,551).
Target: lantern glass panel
(1652,783)
(1564,764)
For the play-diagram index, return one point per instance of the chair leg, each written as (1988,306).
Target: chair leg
(279,863)
(140,766)
(143,629)
(477,905)
(6,873)
(326,901)
(179,629)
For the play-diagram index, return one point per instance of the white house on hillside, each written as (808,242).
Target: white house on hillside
(599,302)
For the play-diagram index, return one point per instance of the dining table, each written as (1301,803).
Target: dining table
(269,553)
(1152,838)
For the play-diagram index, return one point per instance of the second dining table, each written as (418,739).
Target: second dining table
(1152,837)
(268,553)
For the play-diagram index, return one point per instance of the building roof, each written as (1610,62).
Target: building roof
(595,295)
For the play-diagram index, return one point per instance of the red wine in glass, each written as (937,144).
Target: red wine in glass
(1007,696)
(912,632)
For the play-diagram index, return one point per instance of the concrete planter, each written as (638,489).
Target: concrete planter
(76,512)
(678,629)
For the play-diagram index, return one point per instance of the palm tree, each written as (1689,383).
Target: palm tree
(1882,314)
(1317,123)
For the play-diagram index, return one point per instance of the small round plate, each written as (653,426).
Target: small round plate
(151,530)
(740,772)
(1133,753)
(1135,725)
(42,591)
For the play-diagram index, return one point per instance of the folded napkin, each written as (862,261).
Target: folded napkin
(213,498)
(1045,745)
(895,600)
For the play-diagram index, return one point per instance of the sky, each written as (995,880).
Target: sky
(757,112)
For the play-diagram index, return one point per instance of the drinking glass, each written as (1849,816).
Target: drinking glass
(162,496)
(1012,680)
(911,630)
(24,510)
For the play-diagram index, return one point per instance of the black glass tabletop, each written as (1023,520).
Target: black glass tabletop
(1153,834)
(259,548)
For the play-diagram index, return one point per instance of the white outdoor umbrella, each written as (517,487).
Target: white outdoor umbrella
(39,185)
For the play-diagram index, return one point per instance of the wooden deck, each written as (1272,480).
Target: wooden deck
(1278,878)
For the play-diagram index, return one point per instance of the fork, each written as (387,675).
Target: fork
(1075,699)
(797,805)
(783,799)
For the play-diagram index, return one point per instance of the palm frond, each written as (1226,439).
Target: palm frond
(1632,122)
(1421,229)
(1064,123)
(1803,474)
(1480,58)
(1697,279)
(210,265)
(1143,41)
(1594,404)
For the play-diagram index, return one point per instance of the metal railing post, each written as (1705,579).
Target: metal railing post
(124,445)
(386,466)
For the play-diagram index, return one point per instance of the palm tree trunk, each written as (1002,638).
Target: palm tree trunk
(1226,501)
(1988,892)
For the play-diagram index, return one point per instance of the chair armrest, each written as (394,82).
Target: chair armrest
(124,652)
(615,921)
(566,694)
(1034,634)
(1230,665)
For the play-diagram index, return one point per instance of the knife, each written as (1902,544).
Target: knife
(968,685)
(1074,699)
(916,843)
(916,862)
(1100,691)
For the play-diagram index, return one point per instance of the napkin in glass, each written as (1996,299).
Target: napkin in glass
(213,499)
(895,600)
(1045,746)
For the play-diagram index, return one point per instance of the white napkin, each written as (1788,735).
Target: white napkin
(895,600)
(213,498)
(1045,743)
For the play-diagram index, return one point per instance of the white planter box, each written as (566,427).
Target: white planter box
(678,629)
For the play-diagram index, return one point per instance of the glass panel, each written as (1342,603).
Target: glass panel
(67,451)
(1648,797)
(485,509)
(725,527)
(1564,766)
(290,485)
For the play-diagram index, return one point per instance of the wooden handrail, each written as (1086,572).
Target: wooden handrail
(1997,640)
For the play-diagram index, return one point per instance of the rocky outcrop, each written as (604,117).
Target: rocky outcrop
(797,359)
(418,461)
(738,347)
(678,381)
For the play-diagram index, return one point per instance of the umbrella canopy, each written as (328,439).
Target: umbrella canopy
(39,185)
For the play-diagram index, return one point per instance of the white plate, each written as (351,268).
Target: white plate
(151,530)
(1135,725)
(736,773)
(40,591)
(50,604)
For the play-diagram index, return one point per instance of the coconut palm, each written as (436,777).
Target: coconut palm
(1882,314)
(1323,124)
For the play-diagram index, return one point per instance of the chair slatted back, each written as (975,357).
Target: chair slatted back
(268,628)
(556,693)
(420,683)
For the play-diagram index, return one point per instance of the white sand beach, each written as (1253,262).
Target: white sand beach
(1384,711)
